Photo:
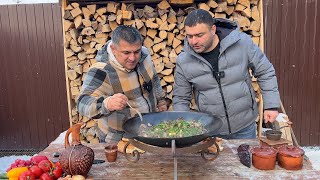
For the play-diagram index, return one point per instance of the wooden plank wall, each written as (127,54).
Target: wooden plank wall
(292,43)
(33,102)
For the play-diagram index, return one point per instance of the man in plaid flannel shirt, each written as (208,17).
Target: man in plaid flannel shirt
(124,72)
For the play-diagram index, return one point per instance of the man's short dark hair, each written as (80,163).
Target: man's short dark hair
(126,33)
(199,16)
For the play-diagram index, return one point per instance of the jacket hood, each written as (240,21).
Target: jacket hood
(102,54)
(227,31)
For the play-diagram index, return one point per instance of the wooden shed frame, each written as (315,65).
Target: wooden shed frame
(71,104)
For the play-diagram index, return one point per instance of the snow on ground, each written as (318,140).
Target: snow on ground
(313,153)
(6,161)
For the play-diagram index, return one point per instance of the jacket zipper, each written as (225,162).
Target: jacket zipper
(217,77)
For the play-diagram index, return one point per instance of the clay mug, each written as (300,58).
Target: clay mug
(111,152)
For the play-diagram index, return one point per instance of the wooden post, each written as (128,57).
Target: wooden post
(261,42)
(260,114)
(63,6)
(261,45)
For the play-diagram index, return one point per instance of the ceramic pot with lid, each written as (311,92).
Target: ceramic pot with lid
(290,157)
(264,157)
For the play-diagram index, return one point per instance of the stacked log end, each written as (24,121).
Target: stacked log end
(87,28)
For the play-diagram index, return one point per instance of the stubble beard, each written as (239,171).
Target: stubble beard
(205,47)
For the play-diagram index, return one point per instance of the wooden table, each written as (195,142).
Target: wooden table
(190,166)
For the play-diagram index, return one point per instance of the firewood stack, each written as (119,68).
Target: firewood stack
(87,28)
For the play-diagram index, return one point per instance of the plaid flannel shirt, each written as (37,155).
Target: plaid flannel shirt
(105,79)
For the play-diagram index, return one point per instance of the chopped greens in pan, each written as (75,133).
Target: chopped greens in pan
(174,129)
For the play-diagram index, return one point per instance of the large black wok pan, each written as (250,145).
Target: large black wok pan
(210,123)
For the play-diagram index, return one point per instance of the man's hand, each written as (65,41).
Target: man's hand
(162,106)
(270,115)
(116,102)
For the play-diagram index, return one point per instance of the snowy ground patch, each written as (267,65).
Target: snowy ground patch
(6,161)
(313,153)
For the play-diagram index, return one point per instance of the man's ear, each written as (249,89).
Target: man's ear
(214,29)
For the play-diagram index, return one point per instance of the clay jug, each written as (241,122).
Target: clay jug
(76,159)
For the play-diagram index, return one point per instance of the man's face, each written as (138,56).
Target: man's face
(201,37)
(128,55)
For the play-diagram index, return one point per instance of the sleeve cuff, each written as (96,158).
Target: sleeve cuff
(161,102)
(272,109)
(104,109)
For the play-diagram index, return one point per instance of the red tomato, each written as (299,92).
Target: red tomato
(57,172)
(27,176)
(36,171)
(45,165)
(46,176)
(38,159)
(58,164)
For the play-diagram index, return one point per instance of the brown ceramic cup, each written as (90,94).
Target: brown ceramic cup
(263,157)
(111,152)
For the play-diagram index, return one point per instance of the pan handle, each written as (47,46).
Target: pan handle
(129,136)
(208,134)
